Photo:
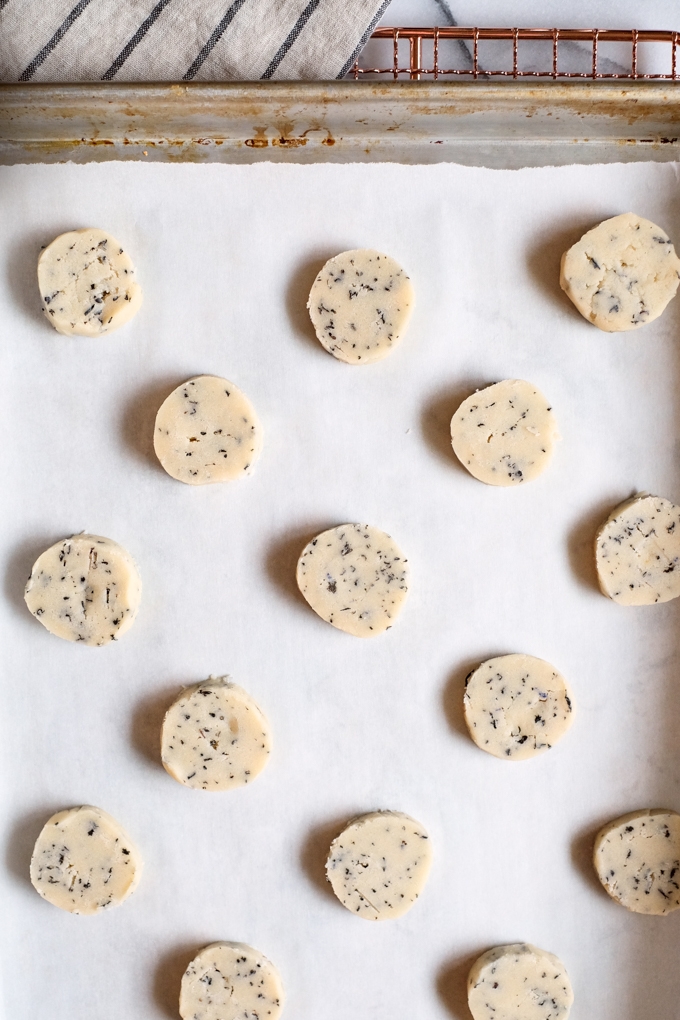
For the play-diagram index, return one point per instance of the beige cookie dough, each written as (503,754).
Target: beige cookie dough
(215,737)
(378,865)
(85,588)
(622,273)
(637,859)
(637,552)
(230,981)
(87,283)
(519,982)
(517,706)
(505,433)
(207,431)
(84,861)
(355,577)
(360,305)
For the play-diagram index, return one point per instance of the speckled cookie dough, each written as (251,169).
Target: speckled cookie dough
(230,981)
(519,982)
(355,577)
(360,305)
(84,862)
(85,588)
(516,706)
(215,737)
(378,865)
(622,273)
(637,859)
(87,283)
(207,431)
(505,433)
(637,552)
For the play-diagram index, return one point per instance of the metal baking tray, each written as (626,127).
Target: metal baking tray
(454,106)
(501,125)
(511,123)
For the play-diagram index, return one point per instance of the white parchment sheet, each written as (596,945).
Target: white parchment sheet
(226,256)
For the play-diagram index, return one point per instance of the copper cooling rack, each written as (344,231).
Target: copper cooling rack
(469,40)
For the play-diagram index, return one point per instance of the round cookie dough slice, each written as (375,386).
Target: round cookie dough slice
(230,981)
(84,862)
(516,706)
(86,588)
(378,865)
(360,305)
(519,982)
(207,431)
(622,273)
(214,737)
(87,283)
(505,433)
(637,552)
(637,859)
(355,577)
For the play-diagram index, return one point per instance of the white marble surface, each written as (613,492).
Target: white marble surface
(651,14)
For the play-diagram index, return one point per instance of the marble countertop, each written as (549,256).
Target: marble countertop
(652,14)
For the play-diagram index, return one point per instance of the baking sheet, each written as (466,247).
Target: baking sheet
(226,255)
(503,125)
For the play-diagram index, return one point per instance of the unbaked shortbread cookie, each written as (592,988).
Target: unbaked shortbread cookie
(519,982)
(379,864)
(622,273)
(516,706)
(637,552)
(87,283)
(354,577)
(86,588)
(360,304)
(84,862)
(505,433)
(207,431)
(215,737)
(230,981)
(637,859)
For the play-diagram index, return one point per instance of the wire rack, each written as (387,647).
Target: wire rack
(469,40)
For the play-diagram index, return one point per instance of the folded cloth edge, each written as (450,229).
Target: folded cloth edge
(179,40)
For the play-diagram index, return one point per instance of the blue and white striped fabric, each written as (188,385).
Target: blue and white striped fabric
(182,40)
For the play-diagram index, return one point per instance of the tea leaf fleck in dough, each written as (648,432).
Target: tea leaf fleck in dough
(87,283)
(230,981)
(355,577)
(207,431)
(637,552)
(84,862)
(519,982)
(517,706)
(215,737)
(622,273)
(505,433)
(360,305)
(86,588)
(637,859)
(379,864)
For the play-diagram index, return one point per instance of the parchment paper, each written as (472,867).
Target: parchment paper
(226,256)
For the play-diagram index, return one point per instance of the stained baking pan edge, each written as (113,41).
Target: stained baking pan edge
(507,124)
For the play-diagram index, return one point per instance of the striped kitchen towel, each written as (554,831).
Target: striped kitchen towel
(182,40)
